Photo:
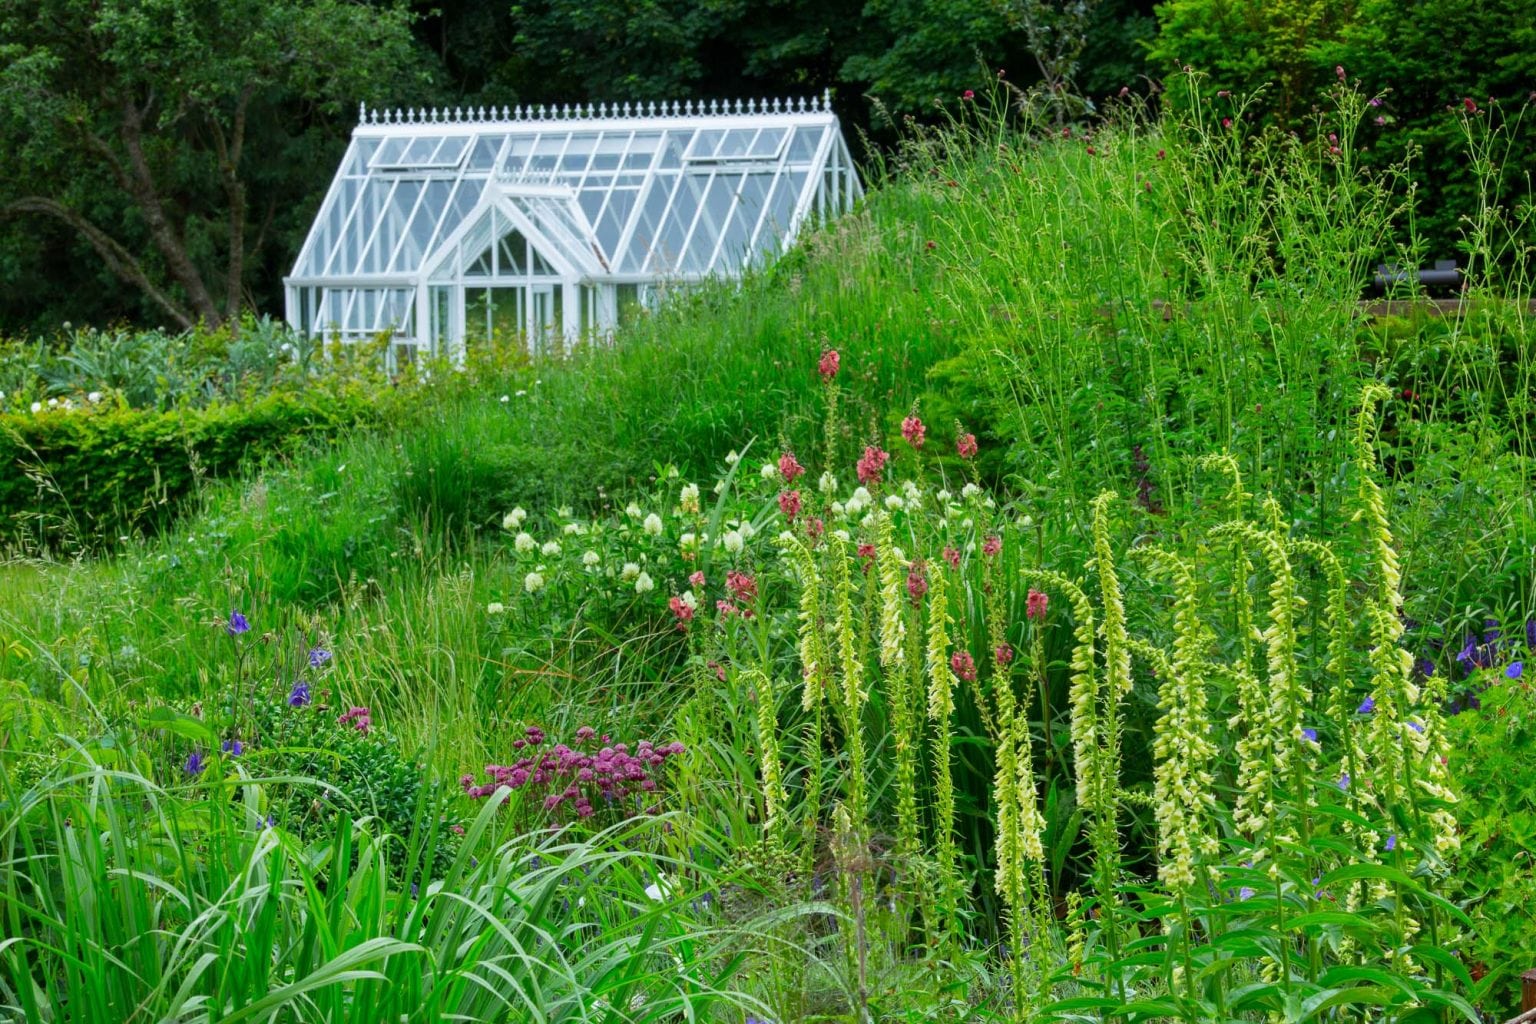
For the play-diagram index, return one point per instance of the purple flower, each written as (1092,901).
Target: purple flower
(298,697)
(1416,727)
(1530,634)
(1344,781)
(237,624)
(318,656)
(1391,842)
(233,748)
(1245,893)
(195,763)
(1515,669)
(1366,706)
(271,822)
(1425,666)
(1310,735)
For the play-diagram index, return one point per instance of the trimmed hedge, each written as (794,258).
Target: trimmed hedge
(80,479)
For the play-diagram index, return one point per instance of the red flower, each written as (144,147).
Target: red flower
(917,584)
(1469,104)
(913,430)
(827,367)
(871,465)
(696,579)
(789,467)
(814,528)
(681,610)
(1226,122)
(966,446)
(1036,604)
(992,546)
(968,95)
(742,587)
(1003,654)
(1161,154)
(867,552)
(964,666)
(952,556)
(726,609)
(789,504)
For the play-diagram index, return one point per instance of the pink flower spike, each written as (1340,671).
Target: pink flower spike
(827,366)
(964,666)
(871,465)
(1036,604)
(913,430)
(696,579)
(789,467)
(789,504)
(966,446)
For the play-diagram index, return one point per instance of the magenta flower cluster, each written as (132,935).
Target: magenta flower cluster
(578,776)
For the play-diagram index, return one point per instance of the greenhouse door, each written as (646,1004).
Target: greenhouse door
(546,321)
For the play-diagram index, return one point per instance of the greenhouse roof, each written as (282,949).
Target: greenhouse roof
(638,192)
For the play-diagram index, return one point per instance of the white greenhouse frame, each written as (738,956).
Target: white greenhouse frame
(443,228)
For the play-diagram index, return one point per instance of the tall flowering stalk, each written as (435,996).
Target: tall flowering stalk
(941,706)
(815,664)
(769,763)
(851,668)
(893,595)
(1274,724)
(1183,780)
(1403,750)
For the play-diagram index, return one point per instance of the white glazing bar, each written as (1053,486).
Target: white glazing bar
(809,190)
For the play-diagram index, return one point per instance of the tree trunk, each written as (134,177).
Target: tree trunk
(141,186)
(118,259)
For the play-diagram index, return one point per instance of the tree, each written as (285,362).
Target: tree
(131,123)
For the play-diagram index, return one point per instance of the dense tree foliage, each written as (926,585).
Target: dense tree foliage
(166,157)
(1294,50)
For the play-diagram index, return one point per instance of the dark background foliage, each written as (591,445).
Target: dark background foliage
(286,78)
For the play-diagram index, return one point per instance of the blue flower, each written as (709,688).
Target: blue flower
(1366,706)
(271,822)
(1245,893)
(195,763)
(318,656)
(1515,669)
(233,747)
(237,624)
(298,697)
(1344,781)
(1310,735)
(1391,842)
(1415,726)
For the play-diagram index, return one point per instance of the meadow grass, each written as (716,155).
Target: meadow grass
(1164,311)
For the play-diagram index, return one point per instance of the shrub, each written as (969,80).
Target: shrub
(78,478)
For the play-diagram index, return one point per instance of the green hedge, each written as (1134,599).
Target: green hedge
(80,479)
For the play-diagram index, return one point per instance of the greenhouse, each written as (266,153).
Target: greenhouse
(444,228)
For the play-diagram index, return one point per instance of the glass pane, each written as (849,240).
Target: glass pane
(736,142)
(768,142)
(450,151)
(648,226)
(704,143)
(413,246)
(805,142)
(420,150)
(513,254)
(641,148)
(484,153)
(733,253)
(389,152)
(615,217)
(390,226)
